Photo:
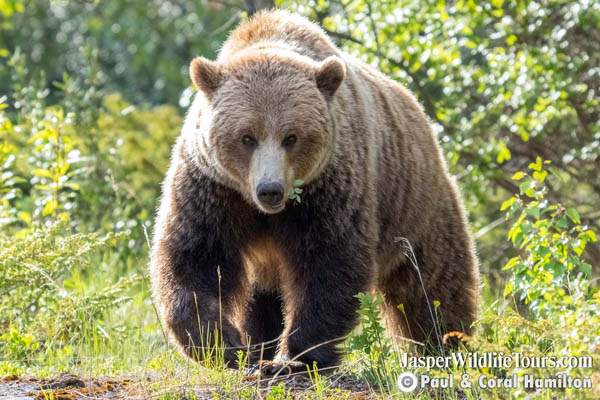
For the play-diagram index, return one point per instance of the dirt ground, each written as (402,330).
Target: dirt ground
(72,387)
(67,387)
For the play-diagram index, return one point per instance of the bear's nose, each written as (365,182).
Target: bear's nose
(270,193)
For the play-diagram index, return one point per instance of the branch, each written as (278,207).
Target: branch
(374,29)
(343,36)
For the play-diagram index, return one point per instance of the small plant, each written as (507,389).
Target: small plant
(371,343)
(371,340)
(296,190)
(53,160)
(552,280)
(19,345)
(320,385)
(277,392)
(9,177)
(37,293)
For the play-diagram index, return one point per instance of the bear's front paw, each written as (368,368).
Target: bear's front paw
(282,369)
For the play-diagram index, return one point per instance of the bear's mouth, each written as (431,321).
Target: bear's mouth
(270,208)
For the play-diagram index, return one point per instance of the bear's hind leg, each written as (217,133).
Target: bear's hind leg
(418,318)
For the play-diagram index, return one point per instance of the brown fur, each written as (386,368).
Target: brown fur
(372,172)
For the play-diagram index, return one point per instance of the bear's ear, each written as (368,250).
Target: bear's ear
(205,74)
(329,76)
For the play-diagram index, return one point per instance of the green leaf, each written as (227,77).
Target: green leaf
(540,175)
(537,165)
(573,215)
(534,212)
(25,217)
(518,238)
(562,223)
(530,192)
(42,172)
(503,155)
(508,203)
(63,170)
(50,207)
(42,134)
(497,13)
(586,268)
(511,40)
(524,186)
(518,175)
(591,236)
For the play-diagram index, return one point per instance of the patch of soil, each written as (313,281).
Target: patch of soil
(72,387)
(67,387)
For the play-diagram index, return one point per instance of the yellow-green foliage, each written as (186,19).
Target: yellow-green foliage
(76,193)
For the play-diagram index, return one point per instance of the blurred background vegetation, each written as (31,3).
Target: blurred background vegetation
(93,93)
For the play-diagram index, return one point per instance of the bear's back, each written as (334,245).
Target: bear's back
(280,28)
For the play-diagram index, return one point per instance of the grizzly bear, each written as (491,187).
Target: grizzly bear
(282,109)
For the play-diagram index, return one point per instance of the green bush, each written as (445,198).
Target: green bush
(37,298)
(549,272)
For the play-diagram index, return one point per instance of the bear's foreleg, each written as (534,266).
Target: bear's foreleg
(320,306)
(198,278)
(199,328)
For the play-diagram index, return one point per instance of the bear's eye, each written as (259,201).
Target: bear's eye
(289,141)
(249,141)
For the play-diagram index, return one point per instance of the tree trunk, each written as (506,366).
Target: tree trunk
(253,6)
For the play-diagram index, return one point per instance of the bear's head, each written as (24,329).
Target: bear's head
(264,120)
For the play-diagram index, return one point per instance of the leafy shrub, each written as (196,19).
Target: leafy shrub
(141,48)
(57,185)
(34,288)
(550,276)
(549,272)
(45,311)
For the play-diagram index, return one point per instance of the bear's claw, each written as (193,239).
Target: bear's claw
(282,369)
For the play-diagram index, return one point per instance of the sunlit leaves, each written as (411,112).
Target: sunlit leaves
(550,246)
(503,155)
(508,203)
(9,7)
(573,215)
(51,153)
